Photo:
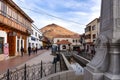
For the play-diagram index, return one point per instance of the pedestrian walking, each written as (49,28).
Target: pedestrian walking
(36,50)
(33,49)
(29,50)
(58,57)
(22,51)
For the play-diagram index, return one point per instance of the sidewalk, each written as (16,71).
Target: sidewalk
(16,61)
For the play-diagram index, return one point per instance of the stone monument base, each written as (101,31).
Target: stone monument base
(91,75)
(109,76)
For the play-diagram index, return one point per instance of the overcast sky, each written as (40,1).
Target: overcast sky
(70,14)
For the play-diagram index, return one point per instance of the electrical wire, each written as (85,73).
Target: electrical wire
(45,13)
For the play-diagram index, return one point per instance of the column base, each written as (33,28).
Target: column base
(90,75)
(109,76)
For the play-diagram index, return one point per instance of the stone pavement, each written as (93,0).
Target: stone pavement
(46,57)
(18,60)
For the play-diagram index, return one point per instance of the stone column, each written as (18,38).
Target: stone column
(113,72)
(106,63)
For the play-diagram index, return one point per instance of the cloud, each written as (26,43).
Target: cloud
(95,9)
(81,11)
(68,25)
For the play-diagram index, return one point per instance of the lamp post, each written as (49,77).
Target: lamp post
(59,55)
(82,41)
(69,48)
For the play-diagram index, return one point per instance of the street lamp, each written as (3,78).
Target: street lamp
(82,41)
(69,47)
(58,55)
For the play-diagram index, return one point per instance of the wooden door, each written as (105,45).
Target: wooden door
(1,44)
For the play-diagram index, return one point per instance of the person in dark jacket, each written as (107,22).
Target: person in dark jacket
(36,50)
(29,50)
(33,49)
(22,51)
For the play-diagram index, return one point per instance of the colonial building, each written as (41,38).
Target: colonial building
(91,33)
(67,41)
(15,27)
(35,38)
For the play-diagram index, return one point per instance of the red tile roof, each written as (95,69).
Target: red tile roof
(67,36)
(63,42)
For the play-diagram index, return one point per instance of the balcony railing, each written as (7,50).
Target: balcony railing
(4,20)
(13,23)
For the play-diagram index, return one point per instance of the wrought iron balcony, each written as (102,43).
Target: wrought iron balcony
(15,24)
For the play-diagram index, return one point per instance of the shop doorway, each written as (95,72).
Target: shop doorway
(22,43)
(76,48)
(1,44)
(18,45)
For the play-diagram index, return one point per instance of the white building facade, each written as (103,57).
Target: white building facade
(34,39)
(74,40)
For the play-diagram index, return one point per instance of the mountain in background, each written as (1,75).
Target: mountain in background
(52,30)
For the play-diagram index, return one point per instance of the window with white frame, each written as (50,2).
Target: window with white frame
(36,34)
(93,27)
(3,8)
(9,12)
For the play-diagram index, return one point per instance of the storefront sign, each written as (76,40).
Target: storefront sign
(32,38)
(6,49)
